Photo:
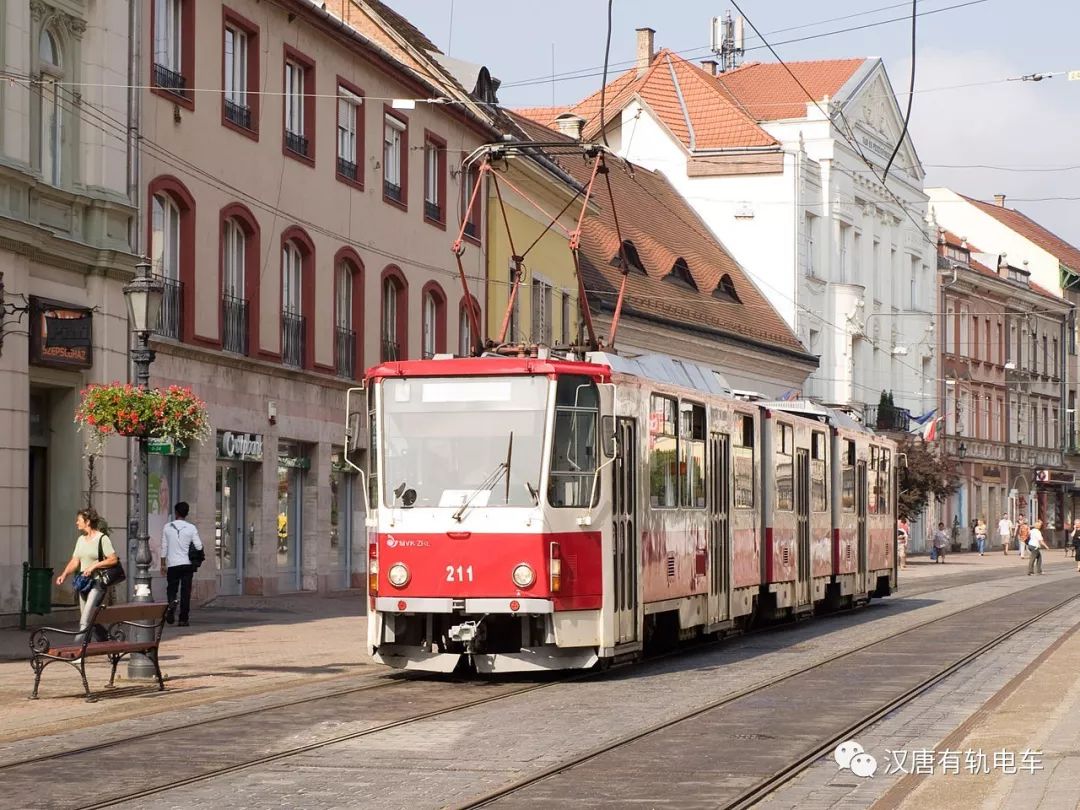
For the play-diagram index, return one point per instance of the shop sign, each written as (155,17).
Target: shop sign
(294,463)
(239,446)
(1053,476)
(61,335)
(165,447)
(990,473)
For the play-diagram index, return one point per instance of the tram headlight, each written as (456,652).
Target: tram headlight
(398,575)
(524,576)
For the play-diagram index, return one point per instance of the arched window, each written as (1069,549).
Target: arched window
(632,257)
(345,328)
(165,257)
(466,338)
(725,290)
(395,330)
(234,315)
(680,272)
(434,323)
(52,111)
(292,319)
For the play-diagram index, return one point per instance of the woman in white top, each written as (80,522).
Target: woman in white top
(85,560)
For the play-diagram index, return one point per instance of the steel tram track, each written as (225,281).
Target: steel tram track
(684,649)
(757,792)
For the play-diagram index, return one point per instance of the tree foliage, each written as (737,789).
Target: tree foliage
(928,474)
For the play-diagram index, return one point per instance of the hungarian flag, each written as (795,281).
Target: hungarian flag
(929,432)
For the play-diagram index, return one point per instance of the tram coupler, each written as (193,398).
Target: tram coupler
(468,633)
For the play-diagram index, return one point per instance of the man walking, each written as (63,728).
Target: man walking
(1036,544)
(176,542)
(1005,532)
(940,541)
(1023,532)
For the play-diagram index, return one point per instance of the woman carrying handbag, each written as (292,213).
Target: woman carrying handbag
(96,561)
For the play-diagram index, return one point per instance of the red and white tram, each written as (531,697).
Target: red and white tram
(543,513)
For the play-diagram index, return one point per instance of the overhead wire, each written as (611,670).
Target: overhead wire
(911,93)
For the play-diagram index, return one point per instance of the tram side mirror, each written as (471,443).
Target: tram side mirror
(607,434)
(354,430)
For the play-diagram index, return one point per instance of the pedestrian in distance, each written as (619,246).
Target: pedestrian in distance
(93,550)
(1023,533)
(1005,530)
(1036,544)
(1074,541)
(903,531)
(980,536)
(177,539)
(941,540)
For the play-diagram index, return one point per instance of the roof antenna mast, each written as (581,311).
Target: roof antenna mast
(726,41)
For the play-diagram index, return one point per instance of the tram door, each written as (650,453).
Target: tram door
(860,525)
(802,523)
(720,523)
(624,524)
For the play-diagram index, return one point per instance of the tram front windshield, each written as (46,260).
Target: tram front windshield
(463,443)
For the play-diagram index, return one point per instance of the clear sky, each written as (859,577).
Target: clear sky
(1009,124)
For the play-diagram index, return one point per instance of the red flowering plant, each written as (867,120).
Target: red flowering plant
(173,413)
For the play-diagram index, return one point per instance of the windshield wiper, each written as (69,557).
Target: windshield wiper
(502,468)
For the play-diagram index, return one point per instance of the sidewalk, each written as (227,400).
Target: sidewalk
(920,566)
(238,646)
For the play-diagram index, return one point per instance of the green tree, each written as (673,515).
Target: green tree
(926,475)
(886,412)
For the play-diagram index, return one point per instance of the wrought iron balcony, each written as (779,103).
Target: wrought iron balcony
(172,308)
(170,80)
(239,114)
(347,169)
(887,419)
(390,351)
(345,352)
(392,191)
(432,210)
(234,320)
(296,142)
(292,339)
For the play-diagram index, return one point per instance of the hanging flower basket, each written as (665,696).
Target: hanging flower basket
(120,409)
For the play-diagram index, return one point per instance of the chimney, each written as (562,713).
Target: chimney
(999,200)
(709,65)
(570,125)
(644,49)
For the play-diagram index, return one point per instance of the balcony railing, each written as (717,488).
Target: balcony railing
(878,418)
(172,308)
(345,352)
(234,320)
(390,351)
(292,339)
(392,190)
(170,80)
(296,142)
(347,169)
(239,114)
(432,210)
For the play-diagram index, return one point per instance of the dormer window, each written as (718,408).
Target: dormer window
(680,272)
(632,257)
(725,290)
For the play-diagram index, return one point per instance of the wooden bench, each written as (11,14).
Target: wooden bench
(122,623)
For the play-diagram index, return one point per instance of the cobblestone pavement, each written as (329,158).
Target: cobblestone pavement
(425,764)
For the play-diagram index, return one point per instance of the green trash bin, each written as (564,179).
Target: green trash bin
(37,592)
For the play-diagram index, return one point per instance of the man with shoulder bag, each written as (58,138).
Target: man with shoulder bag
(181,547)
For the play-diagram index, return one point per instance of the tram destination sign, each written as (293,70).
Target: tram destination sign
(239,446)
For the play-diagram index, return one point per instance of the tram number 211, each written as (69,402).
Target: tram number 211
(459,574)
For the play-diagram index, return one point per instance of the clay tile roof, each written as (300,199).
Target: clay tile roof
(1053,244)
(685,98)
(404,28)
(768,92)
(664,228)
(544,116)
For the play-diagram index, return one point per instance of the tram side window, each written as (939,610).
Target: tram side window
(692,455)
(663,458)
(742,458)
(819,488)
(872,482)
(785,494)
(372,453)
(847,476)
(574,443)
(883,489)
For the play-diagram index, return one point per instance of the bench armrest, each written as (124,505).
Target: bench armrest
(39,639)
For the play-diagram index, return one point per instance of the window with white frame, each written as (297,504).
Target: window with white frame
(348,128)
(233,250)
(390,295)
(167,29)
(434,174)
(430,325)
(236,56)
(465,335)
(52,110)
(292,262)
(541,311)
(393,140)
(344,304)
(294,99)
(165,237)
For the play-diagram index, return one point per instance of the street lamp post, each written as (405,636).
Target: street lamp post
(143,294)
